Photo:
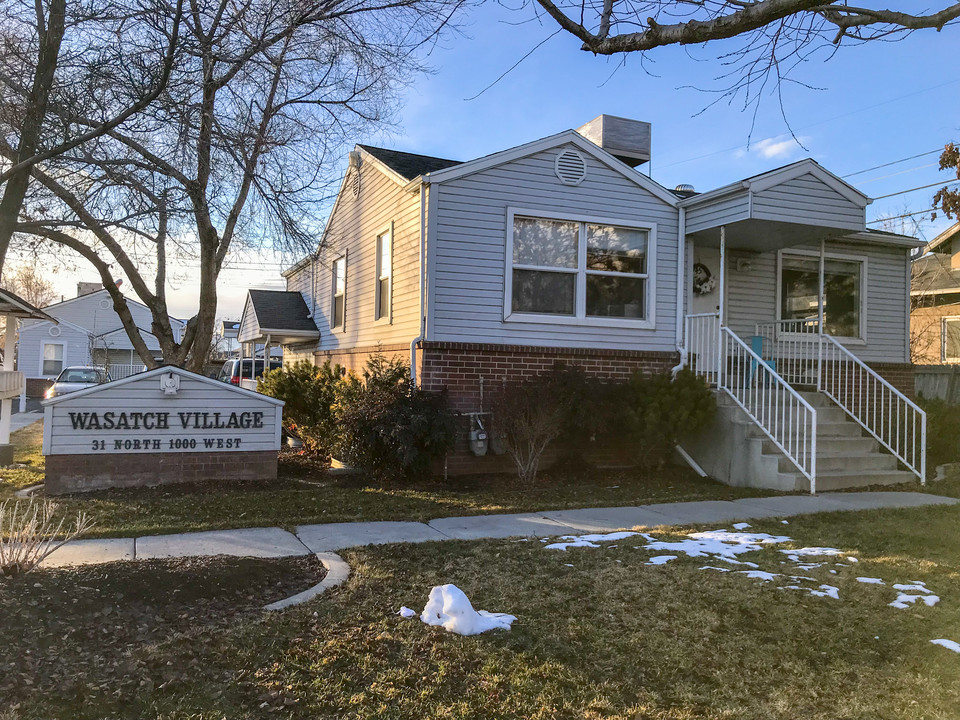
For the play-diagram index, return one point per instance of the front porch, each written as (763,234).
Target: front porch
(779,323)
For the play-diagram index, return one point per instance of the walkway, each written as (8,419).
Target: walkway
(274,542)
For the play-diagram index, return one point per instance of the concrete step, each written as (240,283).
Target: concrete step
(828,445)
(837,480)
(841,462)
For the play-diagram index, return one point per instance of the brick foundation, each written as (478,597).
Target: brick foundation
(83,473)
(36,387)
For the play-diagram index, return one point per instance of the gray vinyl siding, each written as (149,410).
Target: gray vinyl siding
(468,252)
(352,230)
(752,297)
(35,335)
(808,201)
(722,211)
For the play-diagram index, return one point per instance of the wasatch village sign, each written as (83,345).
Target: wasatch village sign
(162,426)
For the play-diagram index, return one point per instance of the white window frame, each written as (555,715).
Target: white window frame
(860,339)
(385,235)
(580,316)
(333,293)
(943,339)
(63,357)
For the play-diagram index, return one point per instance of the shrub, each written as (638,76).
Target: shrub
(389,427)
(30,532)
(943,432)
(309,392)
(660,409)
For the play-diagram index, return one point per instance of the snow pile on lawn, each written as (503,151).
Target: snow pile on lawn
(450,608)
(587,540)
(715,544)
(905,599)
(948,644)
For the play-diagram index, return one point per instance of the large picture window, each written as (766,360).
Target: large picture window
(578,270)
(842,290)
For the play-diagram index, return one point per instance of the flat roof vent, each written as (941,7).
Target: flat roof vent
(625,139)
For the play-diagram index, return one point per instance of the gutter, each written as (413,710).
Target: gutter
(423,275)
(681,265)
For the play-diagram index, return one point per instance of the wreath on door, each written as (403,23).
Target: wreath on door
(703,281)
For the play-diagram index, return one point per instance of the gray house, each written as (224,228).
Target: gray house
(771,288)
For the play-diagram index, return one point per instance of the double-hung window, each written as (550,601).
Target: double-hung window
(842,290)
(578,270)
(52,359)
(339,282)
(950,340)
(384,286)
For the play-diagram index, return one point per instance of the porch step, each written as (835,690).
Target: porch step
(863,445)
(845,462)
(841,480)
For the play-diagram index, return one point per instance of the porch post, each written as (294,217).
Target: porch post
(823,243)
(722,304)
(6,405)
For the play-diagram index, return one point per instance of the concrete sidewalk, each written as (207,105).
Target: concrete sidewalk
(274,542)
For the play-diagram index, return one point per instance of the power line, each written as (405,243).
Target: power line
(922,187)
(893,162)
(900,217)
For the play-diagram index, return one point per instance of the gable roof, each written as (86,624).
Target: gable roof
(103,290)
(771,178)
(281,309)
(571,137)
(943,238)
(13,304)
(408,165)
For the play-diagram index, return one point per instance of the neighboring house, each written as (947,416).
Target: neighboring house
(560,250)
(87,331)
(935,301)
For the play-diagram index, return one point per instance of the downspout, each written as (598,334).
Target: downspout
(681,286)
(423,255)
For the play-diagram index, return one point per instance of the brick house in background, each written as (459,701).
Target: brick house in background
(935,301)
(562,250)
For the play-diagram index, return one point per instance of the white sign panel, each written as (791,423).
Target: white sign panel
(168,410)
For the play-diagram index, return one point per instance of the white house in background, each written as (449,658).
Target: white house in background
(87,331)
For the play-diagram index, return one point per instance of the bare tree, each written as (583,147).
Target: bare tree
(27,282)
(63,48)
(235,152)
(774,34)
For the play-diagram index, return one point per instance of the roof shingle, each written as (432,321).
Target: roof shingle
(408,165)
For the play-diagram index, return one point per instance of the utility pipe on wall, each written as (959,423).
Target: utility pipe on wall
(423,254)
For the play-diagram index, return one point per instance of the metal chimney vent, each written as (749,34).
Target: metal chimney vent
(570,167)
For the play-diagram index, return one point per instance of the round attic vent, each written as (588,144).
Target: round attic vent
(55,331)
(105,304)
(570,167)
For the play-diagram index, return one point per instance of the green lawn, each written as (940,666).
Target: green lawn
(609,637)
(303,496)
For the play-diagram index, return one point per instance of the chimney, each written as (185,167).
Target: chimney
(85,288)
(625,139)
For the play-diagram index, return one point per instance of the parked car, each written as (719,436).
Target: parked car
(233,370)
(76,378)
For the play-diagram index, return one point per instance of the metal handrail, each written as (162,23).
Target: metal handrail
(877,405)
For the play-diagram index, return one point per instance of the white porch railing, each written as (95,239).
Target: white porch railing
(703,345)
(794,345)
(891,417)
(777,408)
(11,383)
(118,372)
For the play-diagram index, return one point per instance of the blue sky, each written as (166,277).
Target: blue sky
(874,104)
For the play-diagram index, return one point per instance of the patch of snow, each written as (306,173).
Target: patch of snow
(948,644)
(587,540)
(903,600)
(833,572)
(450,608)
(795,555)
(741,526)
(662,559)
(719,544)
(808,566)
(913,587)
(407,612)
(827,591)
(871,581)
(738,562)
(802,577)
(759,574)
(714,567)
(852,559)
(784,522)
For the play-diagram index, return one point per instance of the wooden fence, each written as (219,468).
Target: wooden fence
(938,381)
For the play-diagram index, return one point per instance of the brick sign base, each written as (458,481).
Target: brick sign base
(82,473)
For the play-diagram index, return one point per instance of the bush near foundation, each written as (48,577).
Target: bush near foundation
(661,409)
(309,392)
(943,432)
(388,426)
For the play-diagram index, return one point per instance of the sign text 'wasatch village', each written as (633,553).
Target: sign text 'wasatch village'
(161,420)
